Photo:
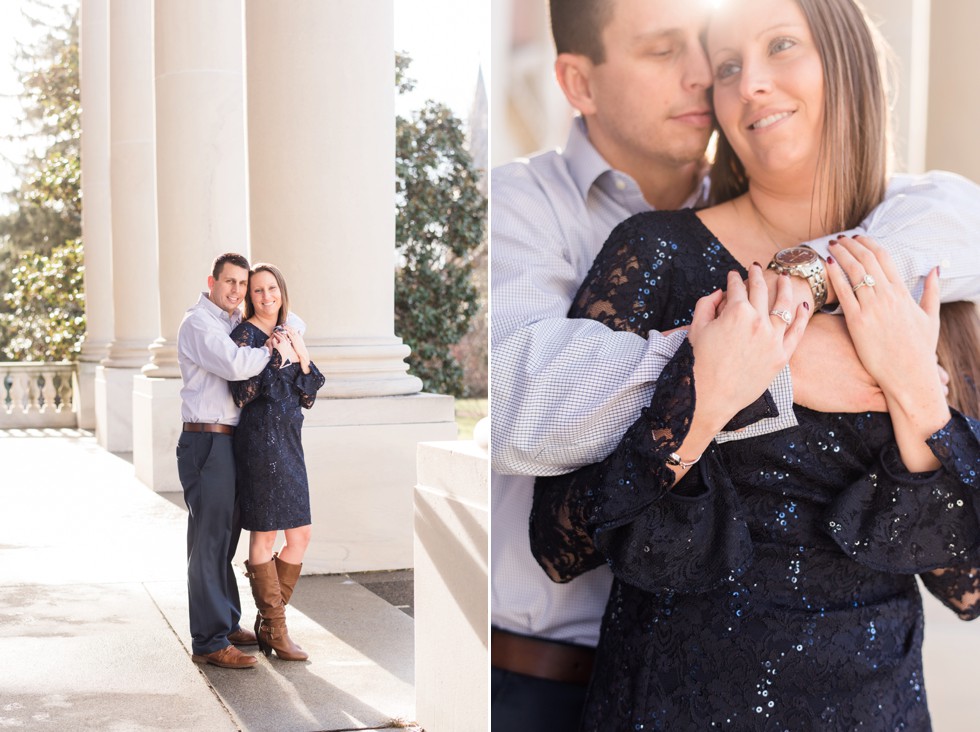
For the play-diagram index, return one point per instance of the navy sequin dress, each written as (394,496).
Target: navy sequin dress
(773,588)
(269,464)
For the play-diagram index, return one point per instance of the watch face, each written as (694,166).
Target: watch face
(795,256)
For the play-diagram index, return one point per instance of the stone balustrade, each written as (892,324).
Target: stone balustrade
(37,395)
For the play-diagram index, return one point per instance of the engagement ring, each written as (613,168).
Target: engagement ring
(782,315)
(866,280)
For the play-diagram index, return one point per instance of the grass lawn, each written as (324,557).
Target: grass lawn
(468,413)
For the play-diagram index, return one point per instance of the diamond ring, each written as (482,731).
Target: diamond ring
(783,315)
(866,280)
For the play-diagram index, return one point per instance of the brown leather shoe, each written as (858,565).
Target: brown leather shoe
(243,637)
(227,657)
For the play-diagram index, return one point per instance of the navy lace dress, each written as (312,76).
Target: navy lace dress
(774,587)
(269,465)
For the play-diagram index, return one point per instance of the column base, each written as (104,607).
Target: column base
(364,367)
(156,428)
(451,531)
(360,458)
(93,351)
(85,394)
(114,408)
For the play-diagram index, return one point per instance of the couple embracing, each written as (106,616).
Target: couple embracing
(240,457)
(749,453)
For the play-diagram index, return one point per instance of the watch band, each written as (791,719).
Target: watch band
(814,273)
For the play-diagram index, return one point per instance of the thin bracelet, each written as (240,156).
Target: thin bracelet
(675,459)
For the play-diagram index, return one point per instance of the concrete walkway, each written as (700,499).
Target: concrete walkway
(93,615)
(93,619)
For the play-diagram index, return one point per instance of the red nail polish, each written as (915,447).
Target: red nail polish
(830,260)
(806,305)
(833,242)
(757,265)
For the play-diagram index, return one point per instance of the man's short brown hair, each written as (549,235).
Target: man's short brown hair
(234,259)
(577,26)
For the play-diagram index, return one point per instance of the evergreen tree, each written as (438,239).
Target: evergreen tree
(44,311)
(441,215)
(44,227)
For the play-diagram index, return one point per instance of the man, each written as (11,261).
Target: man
(565,391)
(208,360)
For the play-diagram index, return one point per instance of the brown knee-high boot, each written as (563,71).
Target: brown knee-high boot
(288,576)
(270,626)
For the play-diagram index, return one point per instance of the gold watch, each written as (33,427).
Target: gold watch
(806,263)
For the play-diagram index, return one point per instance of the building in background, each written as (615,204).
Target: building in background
(237,126)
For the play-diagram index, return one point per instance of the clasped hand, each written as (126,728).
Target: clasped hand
(740,343)
(290,344)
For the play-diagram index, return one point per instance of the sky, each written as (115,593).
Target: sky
(12,27)
(448,41)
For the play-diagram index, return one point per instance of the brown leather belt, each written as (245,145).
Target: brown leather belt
(221,429)
(543,659)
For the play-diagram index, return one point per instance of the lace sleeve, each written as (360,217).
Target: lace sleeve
(622,511)
(897,521)
(249,390)
(308,385)
(619,291)
(958,588)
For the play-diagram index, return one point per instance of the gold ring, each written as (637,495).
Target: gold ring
(783,315)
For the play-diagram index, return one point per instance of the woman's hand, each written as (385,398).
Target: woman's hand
(739,348)
(299,345)
(895,338)
(282,344)
(739,344)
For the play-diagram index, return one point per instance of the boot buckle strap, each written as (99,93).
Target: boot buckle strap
(273,633)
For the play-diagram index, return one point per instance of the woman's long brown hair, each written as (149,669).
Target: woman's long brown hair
(959,354)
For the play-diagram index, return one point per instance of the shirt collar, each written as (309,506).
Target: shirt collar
(586,165)
(205,302)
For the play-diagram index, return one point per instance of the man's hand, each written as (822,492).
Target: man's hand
(828,375)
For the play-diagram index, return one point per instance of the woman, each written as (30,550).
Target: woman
(773,586)
(269,463)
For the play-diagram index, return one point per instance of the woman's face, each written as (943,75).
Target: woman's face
(264,293)
(768,87)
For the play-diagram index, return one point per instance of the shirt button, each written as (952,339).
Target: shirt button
(945,264)
(620,184)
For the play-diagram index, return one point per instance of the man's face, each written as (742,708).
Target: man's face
(228,290)
(650,93)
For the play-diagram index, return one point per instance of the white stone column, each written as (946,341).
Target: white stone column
(321,148)
(201,208)
(954,100)
(96,214)
(321,160)
(134,252)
